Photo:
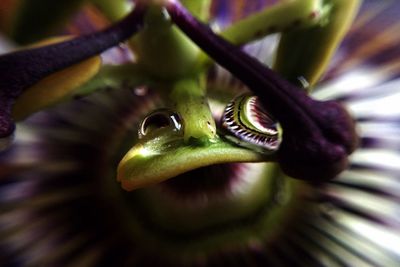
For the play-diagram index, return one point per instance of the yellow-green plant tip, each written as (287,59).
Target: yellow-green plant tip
(145,165)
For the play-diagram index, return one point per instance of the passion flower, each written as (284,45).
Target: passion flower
(203,202)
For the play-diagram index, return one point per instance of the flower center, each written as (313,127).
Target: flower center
(203,210)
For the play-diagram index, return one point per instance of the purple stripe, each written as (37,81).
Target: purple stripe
(368,33)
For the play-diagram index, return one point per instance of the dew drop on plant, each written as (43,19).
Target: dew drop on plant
(164,119)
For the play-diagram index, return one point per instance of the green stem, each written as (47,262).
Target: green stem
(278,18)
(191,104)
(201,8)
(311,32)
(310,49)
(163,50)
(281,17)
(115,9)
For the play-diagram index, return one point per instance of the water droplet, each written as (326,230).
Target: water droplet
(160,119)
(248,124)
(303,82)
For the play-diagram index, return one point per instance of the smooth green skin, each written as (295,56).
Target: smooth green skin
(163,50)
(189,100)
(198,7)
(166,155)
(114,9)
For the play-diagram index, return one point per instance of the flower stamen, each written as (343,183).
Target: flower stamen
(317,136)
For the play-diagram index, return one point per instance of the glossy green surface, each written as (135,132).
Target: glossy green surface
(166,155)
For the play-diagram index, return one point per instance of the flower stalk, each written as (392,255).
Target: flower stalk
(317,136)
(189,99)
